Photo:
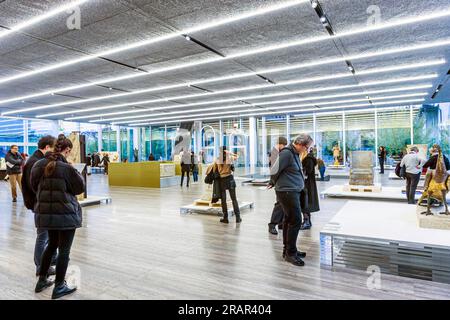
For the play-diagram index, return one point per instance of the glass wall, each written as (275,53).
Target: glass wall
(40,128)
(394,131)
(328,135)
(11,132)
(210,141)
(431,124)
(90,131)
(360,132)
(158,143)
(109,139)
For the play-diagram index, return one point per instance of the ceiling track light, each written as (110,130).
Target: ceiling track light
(436,92)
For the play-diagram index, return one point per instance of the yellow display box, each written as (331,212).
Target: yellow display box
(136,174)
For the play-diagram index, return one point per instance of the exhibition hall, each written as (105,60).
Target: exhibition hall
(224,150)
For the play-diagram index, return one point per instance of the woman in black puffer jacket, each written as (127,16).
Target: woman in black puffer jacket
(56,184)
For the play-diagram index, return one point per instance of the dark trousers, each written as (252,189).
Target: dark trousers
(290,201)
(39,247)
(277,215)
(223,199)
(381,165)
(61,240)
(411,185)
(185,169)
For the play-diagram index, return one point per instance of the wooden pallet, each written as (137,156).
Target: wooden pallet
(354,188)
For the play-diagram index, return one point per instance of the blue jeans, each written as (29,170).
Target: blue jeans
(322,173)
(195,175)
(41,244)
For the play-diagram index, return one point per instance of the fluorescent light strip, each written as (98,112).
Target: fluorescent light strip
(272,70)
(41,18)
(147,42)
(207,94)
(279,94)
(270,113)
(147,117)
(270,110)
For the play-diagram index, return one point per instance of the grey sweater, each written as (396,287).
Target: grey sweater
(286,173)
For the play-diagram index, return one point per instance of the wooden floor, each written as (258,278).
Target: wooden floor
(140,247)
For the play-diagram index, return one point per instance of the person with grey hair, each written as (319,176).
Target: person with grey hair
(288,180)
(413,164)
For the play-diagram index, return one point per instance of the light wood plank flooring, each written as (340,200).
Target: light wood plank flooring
(140,247)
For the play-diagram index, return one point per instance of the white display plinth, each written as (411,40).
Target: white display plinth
(393,176)
(387,193)
(192,208)
(434,221)
(386,235)
(94,200)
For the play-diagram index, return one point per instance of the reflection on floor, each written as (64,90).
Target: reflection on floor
(140,247)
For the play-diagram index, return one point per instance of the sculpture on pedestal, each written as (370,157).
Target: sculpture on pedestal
(361,171)
(436,186)
(336,154)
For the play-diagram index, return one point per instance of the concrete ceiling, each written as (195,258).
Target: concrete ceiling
(217,52)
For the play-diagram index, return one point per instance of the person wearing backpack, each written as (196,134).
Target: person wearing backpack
(412,164)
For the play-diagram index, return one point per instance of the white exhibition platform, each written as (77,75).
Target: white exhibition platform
(94,200)
(387,193)
(386,235)
(192,208)
(393,176)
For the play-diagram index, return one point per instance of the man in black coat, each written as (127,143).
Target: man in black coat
(14,163)
(45,145)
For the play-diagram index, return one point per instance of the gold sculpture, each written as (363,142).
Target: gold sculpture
(436,186)
(336,154)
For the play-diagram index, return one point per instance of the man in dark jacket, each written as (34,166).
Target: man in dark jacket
(45,145)
(277,212)
(14,163)
(288,180)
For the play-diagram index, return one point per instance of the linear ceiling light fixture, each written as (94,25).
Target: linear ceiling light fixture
(272,112)
(263,71)
(419,94)
(246,98)
(208,94)
(41,18)
(252,13)
(284,83)
(148,117)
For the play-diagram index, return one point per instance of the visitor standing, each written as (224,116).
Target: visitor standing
(288,180)
(151,157)
(45,144)
(57,184)
(322,169)
(224,165)
(194,166)
(14,163)
(309,195)
(105,162)
(413,169)
(185,166)
(434,154)
(382,158)
(277,213)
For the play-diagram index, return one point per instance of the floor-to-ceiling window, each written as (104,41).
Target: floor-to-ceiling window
(210,140)
(236,139)
(90,131)
(329,134)
(431,125)
(360,132)
(171,135)
(394,130)
(302,124)
(109,139)
(11,132)
(158,142)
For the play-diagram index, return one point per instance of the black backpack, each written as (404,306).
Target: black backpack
(400,171)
